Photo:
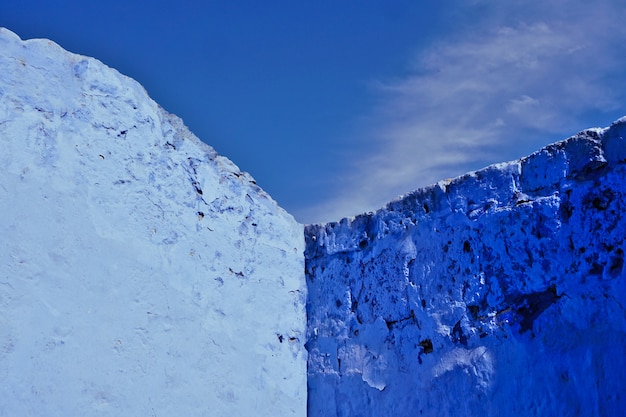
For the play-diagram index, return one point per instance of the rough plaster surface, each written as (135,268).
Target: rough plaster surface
(141,274)
(501,292)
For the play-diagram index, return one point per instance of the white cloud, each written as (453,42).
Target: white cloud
(522,77)
(521,105)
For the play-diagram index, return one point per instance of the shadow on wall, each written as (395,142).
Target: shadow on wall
(500,292)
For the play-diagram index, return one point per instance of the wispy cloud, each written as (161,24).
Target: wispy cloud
(520,76)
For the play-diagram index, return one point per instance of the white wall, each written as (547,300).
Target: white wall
(140,273)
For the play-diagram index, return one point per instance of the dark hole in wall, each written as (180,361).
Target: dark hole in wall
(457,334)
(427,346)
(474,310)
(616,264)
(530,306)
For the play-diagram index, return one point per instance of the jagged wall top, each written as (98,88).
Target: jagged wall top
(495,187)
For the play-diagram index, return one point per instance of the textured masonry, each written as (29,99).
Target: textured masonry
(501,292)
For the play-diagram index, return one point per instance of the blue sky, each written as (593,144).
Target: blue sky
(338,107)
